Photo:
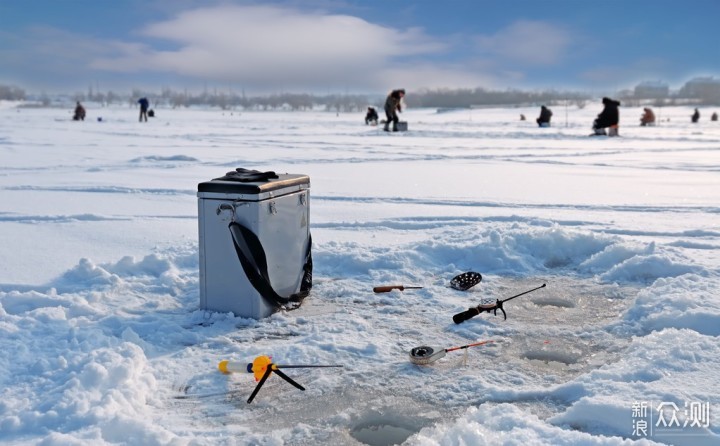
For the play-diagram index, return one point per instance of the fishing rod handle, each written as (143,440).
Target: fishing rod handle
(465,315)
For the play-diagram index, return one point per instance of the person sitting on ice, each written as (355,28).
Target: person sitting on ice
(714,116)
(392,107)
(696,116)
(371,117)
(79,112)
(648,117)
(609,117)
(544,119)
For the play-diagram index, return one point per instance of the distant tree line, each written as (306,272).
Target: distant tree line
(469,97)
(630,100)
(703,91)
(440,98)
(230,100)
(10,93)
(697,91)
(288,101)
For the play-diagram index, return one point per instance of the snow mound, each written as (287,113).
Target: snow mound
(688,301)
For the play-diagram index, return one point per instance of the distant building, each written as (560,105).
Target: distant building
(652,90)
(701,88)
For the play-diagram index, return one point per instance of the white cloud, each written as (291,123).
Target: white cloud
(426,75)
(271,45)
(261,48)
(529,42)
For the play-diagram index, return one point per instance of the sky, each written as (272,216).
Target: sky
(359,46)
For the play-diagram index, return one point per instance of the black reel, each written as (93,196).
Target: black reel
(422,352)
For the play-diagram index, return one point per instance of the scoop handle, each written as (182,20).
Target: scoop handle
(388,288)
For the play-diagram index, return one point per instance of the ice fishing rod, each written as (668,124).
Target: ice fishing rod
(425,355)
(262,367)
(498,305)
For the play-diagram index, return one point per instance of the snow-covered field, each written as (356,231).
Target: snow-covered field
(102,340)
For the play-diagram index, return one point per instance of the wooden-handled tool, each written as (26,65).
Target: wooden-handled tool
(388,288)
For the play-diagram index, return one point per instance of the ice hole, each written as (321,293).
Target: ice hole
(385,430)
(554,302)
(554,356)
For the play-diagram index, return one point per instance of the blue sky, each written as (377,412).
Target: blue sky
(368,46)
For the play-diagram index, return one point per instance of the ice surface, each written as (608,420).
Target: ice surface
(102,341)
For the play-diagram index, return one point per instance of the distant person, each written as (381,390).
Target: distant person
(544,119)
(144,104)
(522,117)
(696,116)
(392,107)
(714,117)
(609,117)
(372,116)
(648,117)
(79,112)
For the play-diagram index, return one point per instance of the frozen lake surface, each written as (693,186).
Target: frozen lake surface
(102,340)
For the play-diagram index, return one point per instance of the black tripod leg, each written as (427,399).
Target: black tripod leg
(260,384)
(287,378)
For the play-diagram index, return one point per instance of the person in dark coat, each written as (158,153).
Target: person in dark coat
(610,116)
(714,117)
(392,107)
(79,112)
(371,117)
(648,117)
(144,104)
(545,115)
(696,116)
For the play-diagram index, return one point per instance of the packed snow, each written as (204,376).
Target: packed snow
(102,339)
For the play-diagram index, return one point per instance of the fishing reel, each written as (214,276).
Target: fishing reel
(424,354)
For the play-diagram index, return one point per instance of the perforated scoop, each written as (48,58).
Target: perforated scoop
(465,281)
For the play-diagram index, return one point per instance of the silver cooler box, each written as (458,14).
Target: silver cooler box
(277,211)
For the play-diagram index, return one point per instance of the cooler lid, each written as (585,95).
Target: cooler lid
(254,190)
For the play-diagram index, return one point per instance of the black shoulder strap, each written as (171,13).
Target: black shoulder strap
(254,262)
